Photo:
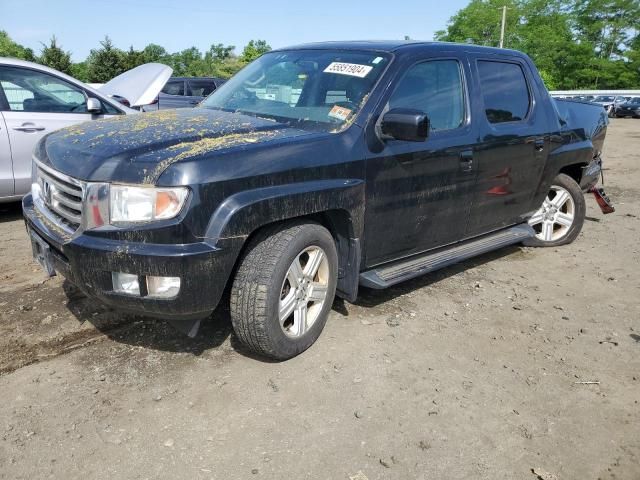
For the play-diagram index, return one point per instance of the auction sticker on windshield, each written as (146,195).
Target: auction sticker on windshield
(340,113)
(351,69)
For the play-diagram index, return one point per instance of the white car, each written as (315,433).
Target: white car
(609,102)
(36,100)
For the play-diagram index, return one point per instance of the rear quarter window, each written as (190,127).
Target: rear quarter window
(504,91)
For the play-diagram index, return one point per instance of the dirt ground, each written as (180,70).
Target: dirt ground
(480,371)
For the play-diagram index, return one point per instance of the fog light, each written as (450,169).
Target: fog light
(163,287)
(125,283)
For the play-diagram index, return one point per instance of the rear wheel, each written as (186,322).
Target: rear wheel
(560,218)
(284,288)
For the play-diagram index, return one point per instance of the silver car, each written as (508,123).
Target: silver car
(36,100)
(609,102)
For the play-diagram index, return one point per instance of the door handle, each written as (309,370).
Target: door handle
(29,128)
(538,144)
(466,160)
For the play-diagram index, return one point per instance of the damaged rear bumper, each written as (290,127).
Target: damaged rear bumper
(88,262)
(591,174)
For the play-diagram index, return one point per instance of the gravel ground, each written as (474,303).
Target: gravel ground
(480,371)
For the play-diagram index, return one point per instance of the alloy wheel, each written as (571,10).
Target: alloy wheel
(304,291)
(554,219)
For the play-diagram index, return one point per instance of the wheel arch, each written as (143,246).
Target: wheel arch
(574,170)
(338,205)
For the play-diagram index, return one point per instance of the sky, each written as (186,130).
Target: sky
(178,24)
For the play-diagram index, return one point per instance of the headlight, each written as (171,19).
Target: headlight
(144,204)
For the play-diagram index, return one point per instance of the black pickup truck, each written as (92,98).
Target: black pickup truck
(315,170)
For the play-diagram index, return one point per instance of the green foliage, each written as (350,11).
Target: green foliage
(9,48)
(574,43)
(479,23)
(153,53)
(132,59)
(548,80)
(220,53)
(254,49)
(105,63)
(187,62)
(80,71)
(55,57)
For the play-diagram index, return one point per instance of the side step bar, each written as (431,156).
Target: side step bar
(387,275)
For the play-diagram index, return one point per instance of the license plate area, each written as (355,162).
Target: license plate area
(42,253)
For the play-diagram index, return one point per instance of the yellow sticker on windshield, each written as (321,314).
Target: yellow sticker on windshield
(351,69)
(341,113)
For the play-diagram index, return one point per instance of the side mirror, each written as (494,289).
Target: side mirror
(94,105)
(405,124)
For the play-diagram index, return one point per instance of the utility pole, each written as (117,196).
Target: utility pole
(504,21)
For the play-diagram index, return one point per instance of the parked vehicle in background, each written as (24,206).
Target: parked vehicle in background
(315,170)
(581,98)
(184,92)
(609,102)
(36,100)
(630,108)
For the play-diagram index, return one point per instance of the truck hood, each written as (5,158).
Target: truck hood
(139,148)
(140,85)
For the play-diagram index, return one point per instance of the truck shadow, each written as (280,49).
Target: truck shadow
(10,212)
(217,329)
(148,332)
(371,298)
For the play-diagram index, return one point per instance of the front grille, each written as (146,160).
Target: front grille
(62,196)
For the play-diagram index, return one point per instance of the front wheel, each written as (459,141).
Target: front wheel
(284,288)
(560,218)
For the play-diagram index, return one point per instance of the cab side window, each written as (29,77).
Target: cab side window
(434,87)
(31,91)
(174,87)
(504,91)
(202,88)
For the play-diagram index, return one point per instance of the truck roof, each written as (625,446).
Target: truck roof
(398,45)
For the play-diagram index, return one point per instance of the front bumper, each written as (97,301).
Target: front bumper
(88,260)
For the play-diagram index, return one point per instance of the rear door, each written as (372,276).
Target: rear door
(37,103)
(419,193)
(513,142)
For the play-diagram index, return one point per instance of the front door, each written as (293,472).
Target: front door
(513,144)
(419,193)
(37,103)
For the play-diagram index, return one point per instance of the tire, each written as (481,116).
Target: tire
(561,216)
(265,289)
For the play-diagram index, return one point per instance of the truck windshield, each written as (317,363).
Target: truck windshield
(309,89)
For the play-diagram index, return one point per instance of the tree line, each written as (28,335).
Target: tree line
(108,61)
(576,44)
